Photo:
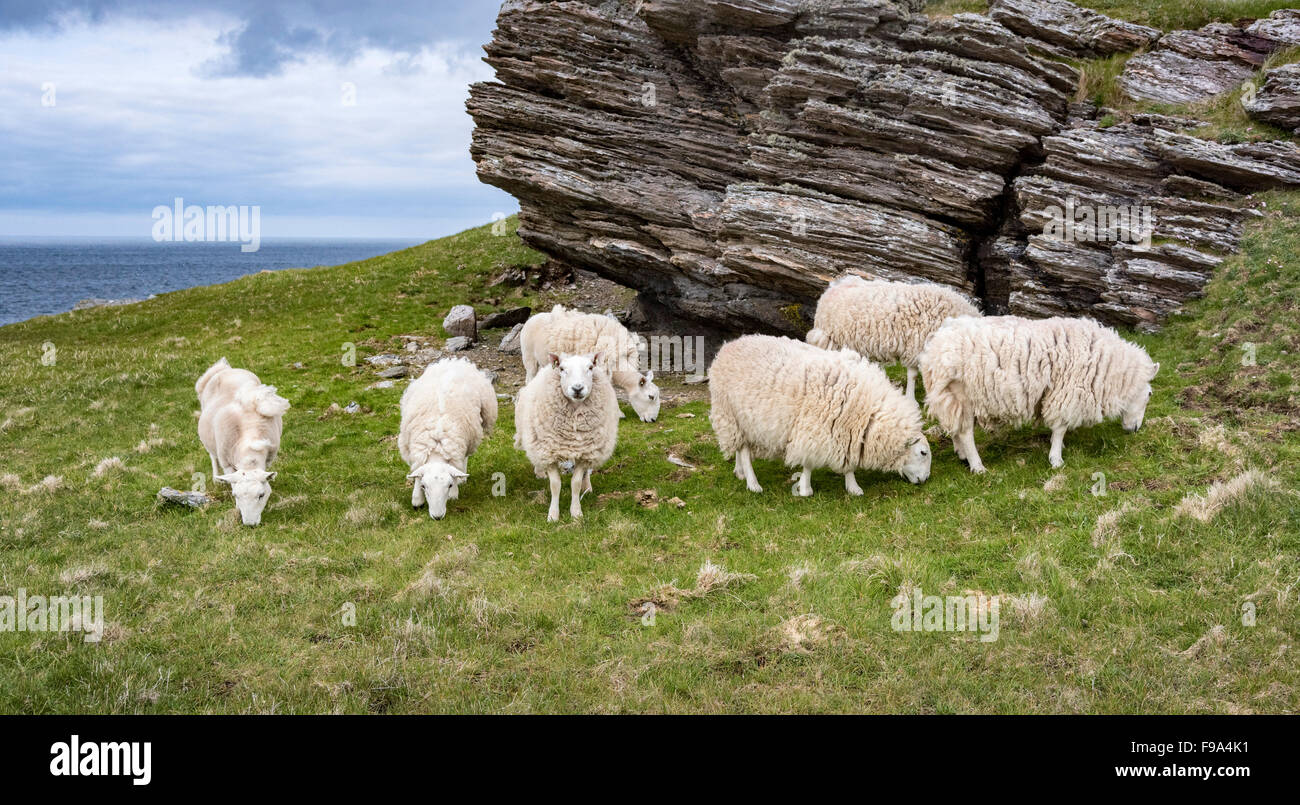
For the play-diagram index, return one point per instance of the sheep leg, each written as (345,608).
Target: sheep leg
(586,481)
(553,473)
(956,446)
(911,383)
(575,492)
(967,439)
(851,484)
(215,471)
(804,488)
(747,467)
(1058,441)
(739,470)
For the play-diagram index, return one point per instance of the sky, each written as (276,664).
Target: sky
(337,119)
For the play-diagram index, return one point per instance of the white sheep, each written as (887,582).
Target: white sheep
(571,332)
(240,425)
(784,399)
(1006,370)
(567,413)
(884,321)
(446,414)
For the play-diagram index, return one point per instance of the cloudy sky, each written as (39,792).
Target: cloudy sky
(337,118)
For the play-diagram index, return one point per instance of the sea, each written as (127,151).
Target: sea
(41,276)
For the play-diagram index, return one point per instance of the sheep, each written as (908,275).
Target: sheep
(780,398)
(572,332)
(240,422)
(884,321)
(1006,370)
(567,413)
(446,414)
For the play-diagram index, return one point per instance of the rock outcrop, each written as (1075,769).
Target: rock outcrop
(1278,100)
(728,157)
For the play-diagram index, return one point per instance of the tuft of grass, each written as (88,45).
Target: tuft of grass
(347,600)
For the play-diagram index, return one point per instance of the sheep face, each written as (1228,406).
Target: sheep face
(251,489)
(436,482)
(1135,406)
(916,466)
(576,374)
(645,398)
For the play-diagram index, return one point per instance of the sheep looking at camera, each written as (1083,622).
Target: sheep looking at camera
(567,413)
(446,414)
(1006,370)
(571,332)
(812,408)
(884,321)
(240,422)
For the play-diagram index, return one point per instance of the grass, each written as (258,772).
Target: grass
(763,603)
(1167,15)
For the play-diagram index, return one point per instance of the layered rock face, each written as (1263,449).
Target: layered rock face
(729,157)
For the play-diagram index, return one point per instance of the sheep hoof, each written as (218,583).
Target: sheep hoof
(754,487)
(553,517)
(799,493)
(1056,462)
(978,469)
(857,493)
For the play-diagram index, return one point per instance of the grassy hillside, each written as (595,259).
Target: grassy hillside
(1115,603)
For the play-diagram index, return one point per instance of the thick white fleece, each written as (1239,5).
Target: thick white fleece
(552,429)
(1007,370)
(446,414)
(240,419)
(809,407)
(571,332)
(884,321)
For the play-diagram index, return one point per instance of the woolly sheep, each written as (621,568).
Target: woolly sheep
(240,425)
(567,413)
(884,321)
(572,332)
(1006,370)
(446,414)
(784,399)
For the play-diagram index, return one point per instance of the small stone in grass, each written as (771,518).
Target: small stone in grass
(175,497)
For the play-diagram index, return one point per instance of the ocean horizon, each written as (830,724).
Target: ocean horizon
(45,275)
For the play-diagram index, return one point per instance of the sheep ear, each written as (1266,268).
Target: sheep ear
(1155,370)
(459,476)
(595,359)
(413,474)
(270,476)
(650,376)
(230,479)
(554,359)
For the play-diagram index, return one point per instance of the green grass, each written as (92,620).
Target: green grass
(494,610)
(1167,15)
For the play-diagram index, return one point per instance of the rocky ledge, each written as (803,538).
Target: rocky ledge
(728,157)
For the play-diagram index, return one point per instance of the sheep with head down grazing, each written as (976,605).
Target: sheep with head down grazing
(1007,370)
(812,408)
(572,332)
(567,414)
(446,414)
(240,422)
(884,321)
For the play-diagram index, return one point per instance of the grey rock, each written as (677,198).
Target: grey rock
(510,341)
(1061,27)
(457,344)
(385,359)
(1190,66)
(394,372)
(1278,100)
(175,497)
(1281,26)
(94,302)
(506,318)
(460,321)
(352,408)
(383,384)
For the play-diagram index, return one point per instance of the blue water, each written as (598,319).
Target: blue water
(40,276)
